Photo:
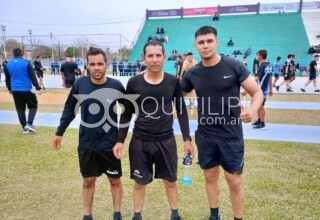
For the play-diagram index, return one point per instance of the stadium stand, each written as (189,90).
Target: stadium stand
(312,25)
(280,34)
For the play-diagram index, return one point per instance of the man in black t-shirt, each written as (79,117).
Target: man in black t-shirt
(219,137)
(313,74)
(287,72)
(68,73)
(153,141)
(255,65)
(39,71)
(264,79)
(96,94)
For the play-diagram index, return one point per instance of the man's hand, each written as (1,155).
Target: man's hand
(270,92)
(247,114)
(117,150)
(57,142)
(39,92)
(188,149)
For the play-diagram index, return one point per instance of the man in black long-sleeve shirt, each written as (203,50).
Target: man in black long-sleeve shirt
(153,139)
(39,71)
(97,96)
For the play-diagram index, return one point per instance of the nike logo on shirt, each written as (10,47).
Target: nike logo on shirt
(226,77)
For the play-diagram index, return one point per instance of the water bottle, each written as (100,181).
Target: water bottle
(186,178)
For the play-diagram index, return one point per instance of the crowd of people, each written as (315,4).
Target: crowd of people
(215,81)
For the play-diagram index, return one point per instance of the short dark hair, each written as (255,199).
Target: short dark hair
(96,51)
(17,52)
(317,55)
(263,53)
(244,57)
(37,57)
(278,58)
(206,30)
(189,53)
(152,43)
(289,56)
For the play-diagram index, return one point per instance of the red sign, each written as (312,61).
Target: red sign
(199,11)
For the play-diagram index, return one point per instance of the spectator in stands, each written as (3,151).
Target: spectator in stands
(287,74)
(277,70)
(166,38)
(173,55)
(303,69)
(155,38)
(114,68)
(150,38)
(215,16)
(248,51)
(134,68)
(230,42)
(162,31)
(141,65)
(158,30)
(128,69)
(313,74)
(245,59)
(54,68)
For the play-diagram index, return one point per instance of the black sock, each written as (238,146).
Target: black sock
(87,217)
(174,213)
(137,214)
(214,212)
(235,218)
(117,214)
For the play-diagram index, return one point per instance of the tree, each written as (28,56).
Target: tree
(73,52)
(124,53)
(10,45)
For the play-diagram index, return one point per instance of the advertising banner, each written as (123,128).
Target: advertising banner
(238,9)
(279,7)
(165,13)
(311,5)
(199,11)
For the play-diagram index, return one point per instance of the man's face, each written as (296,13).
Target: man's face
(154,58)
(97,66)
(316,59)
(190,58)
(206,45)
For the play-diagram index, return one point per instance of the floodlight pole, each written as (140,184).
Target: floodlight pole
(30,33)
(3,28)
(52,47)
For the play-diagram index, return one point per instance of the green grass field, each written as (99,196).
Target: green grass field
(282,181)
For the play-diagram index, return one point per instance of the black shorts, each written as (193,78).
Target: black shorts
(95,163)
(312,76)
(69,82)
(143,154)
(287,76)
(264,101)
(39,74)
(229,154)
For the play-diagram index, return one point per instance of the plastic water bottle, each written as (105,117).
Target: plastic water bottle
(186,178)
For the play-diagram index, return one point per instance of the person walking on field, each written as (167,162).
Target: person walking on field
(313,74)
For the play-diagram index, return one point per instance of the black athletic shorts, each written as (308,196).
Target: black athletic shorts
(39,74)
(69,82)
(95,163)
(264,101)
(287,76)
(312,76)
(229,154)
(143,154)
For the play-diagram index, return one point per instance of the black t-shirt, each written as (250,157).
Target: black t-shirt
(98,129)
(312,64)
(288,67)
(37,66)
(155,103)
(264,74)
(69,70)
(218,91)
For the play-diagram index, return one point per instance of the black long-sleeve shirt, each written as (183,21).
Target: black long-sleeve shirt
(37,66)
(154,118)
(98,129)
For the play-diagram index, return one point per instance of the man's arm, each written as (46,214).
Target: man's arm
(33,77)
(255,92)
(186,84)
(8,78)
(183,119)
